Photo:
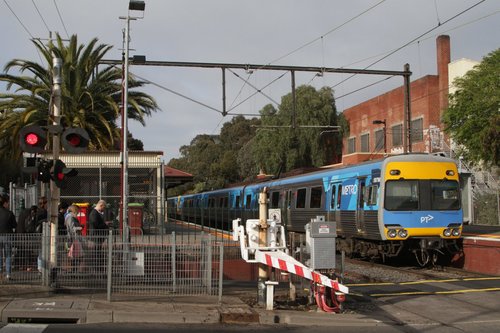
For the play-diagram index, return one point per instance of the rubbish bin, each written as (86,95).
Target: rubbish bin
(83,214)
(135,212)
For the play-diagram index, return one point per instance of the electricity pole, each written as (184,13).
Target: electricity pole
(55,192)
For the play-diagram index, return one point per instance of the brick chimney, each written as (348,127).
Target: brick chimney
(443,59)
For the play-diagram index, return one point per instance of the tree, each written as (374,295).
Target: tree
(90,99)
(473,118)
(278,148)
(213,159)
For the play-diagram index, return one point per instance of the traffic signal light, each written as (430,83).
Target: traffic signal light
(44,167)
(59,173)
(33,139)
(75,140)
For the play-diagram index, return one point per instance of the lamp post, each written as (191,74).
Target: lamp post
(136,6)
(376,122)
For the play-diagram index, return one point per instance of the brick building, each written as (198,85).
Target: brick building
(429,98)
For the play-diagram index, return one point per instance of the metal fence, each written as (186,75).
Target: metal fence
(147,265)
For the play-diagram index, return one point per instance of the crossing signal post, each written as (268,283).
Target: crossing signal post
(33,139)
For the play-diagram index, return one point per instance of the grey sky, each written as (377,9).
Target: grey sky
(255,32)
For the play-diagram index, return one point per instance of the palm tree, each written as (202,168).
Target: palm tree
(90,99)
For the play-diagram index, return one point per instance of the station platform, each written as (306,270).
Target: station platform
(481,249)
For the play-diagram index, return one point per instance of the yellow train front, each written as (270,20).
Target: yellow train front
(416,201)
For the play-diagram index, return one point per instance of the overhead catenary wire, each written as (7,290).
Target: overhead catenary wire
(61,19)
(364,87)
(256,90)
(325,34)
(40,14)
(316,39)
(423,39)
(18,19)
(175,93)
(413,40)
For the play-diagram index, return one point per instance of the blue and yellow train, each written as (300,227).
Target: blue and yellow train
(383,208)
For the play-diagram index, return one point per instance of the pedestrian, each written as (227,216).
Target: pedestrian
(73,231)
(97,235)
(7,226)
(96,224)
(42,209)
(61,226)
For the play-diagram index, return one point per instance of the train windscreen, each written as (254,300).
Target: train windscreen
(408,195)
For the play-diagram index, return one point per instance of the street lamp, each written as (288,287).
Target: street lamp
(136,6)
(378,122)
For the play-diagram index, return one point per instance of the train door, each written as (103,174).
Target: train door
(288,208)
(335,195)
(360,209)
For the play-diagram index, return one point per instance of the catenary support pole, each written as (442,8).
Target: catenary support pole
(55,192)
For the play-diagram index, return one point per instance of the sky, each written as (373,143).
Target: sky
(374,34)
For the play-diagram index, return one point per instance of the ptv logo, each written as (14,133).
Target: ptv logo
(426,219)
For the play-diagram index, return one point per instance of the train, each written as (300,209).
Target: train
(385,208)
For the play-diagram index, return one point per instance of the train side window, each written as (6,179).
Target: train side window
(237,202)
(333,201)
(339,196)
(301,198)
(362,195)
(316,195)
(275,199)
(248,201)
(371,195)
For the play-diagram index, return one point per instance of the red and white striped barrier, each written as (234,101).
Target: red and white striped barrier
(284,262)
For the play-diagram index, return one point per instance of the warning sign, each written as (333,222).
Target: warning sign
(324,229)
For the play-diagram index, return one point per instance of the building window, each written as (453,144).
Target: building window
(365,143)
(379,140)
(351,145)
(417,130)
(397,135)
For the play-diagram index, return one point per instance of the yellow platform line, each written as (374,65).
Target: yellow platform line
(448,292)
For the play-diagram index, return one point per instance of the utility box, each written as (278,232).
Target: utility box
(320,243)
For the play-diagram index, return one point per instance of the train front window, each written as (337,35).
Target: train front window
(401,195)
(444,195)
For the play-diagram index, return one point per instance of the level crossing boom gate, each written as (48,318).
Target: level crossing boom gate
(326,290)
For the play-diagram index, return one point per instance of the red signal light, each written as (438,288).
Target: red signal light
(31,139)
(74,140)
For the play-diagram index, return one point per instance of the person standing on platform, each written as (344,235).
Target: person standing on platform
(7,226)
(97,233)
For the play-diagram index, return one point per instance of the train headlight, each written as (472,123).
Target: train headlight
(392,233)
(403,233)
(447,232)
(455,232)
(395,172)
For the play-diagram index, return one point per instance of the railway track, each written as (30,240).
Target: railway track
(359,271)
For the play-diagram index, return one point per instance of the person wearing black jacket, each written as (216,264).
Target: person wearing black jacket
(96,224)
(7,226)
(96,230)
